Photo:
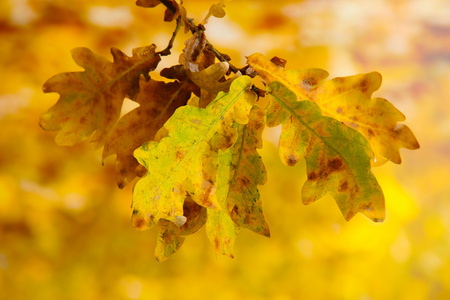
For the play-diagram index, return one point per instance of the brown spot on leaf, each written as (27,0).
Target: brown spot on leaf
(371,133)
(312,176)
(234,212)
(139,223)
(179,155)
(291,160)
(208,187)
(364,86)
(121,184)
(216,243)
(335,164)
(258,125)
(344,186)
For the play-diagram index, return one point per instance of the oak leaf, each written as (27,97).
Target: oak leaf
(185,161)
(91,101)
(347,99)
(337,156)
(241,170)
(158,101)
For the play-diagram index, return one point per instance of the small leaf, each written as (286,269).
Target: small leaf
(171,236)
(216,10)
(158,101)
(337,156)
(91,100)
(185,161)
(347,99)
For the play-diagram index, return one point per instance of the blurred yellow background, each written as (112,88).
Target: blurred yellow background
(64,225)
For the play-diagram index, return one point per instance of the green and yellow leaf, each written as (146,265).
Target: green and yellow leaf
(348,100)
(185,161)
(337,156)
(241,170)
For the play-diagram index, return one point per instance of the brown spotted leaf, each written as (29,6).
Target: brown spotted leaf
(241,170)
(90,101)
(337,156)
(347,99)
(158,101)
(171,236)
(185,160)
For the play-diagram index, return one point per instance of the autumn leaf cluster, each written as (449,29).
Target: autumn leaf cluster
(193,140)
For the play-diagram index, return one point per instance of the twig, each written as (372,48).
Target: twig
(166,51)
(222,57)
(193,28)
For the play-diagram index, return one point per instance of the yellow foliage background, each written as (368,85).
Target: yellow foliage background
(64,225)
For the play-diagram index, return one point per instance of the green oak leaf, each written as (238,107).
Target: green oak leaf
(337,156)
(185,162)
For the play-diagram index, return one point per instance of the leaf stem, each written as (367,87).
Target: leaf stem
(166,51)
(222,57)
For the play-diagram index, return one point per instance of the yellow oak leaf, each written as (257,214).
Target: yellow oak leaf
(347,99)
(337,156)
(185,161)
(158,100)
(90,101)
